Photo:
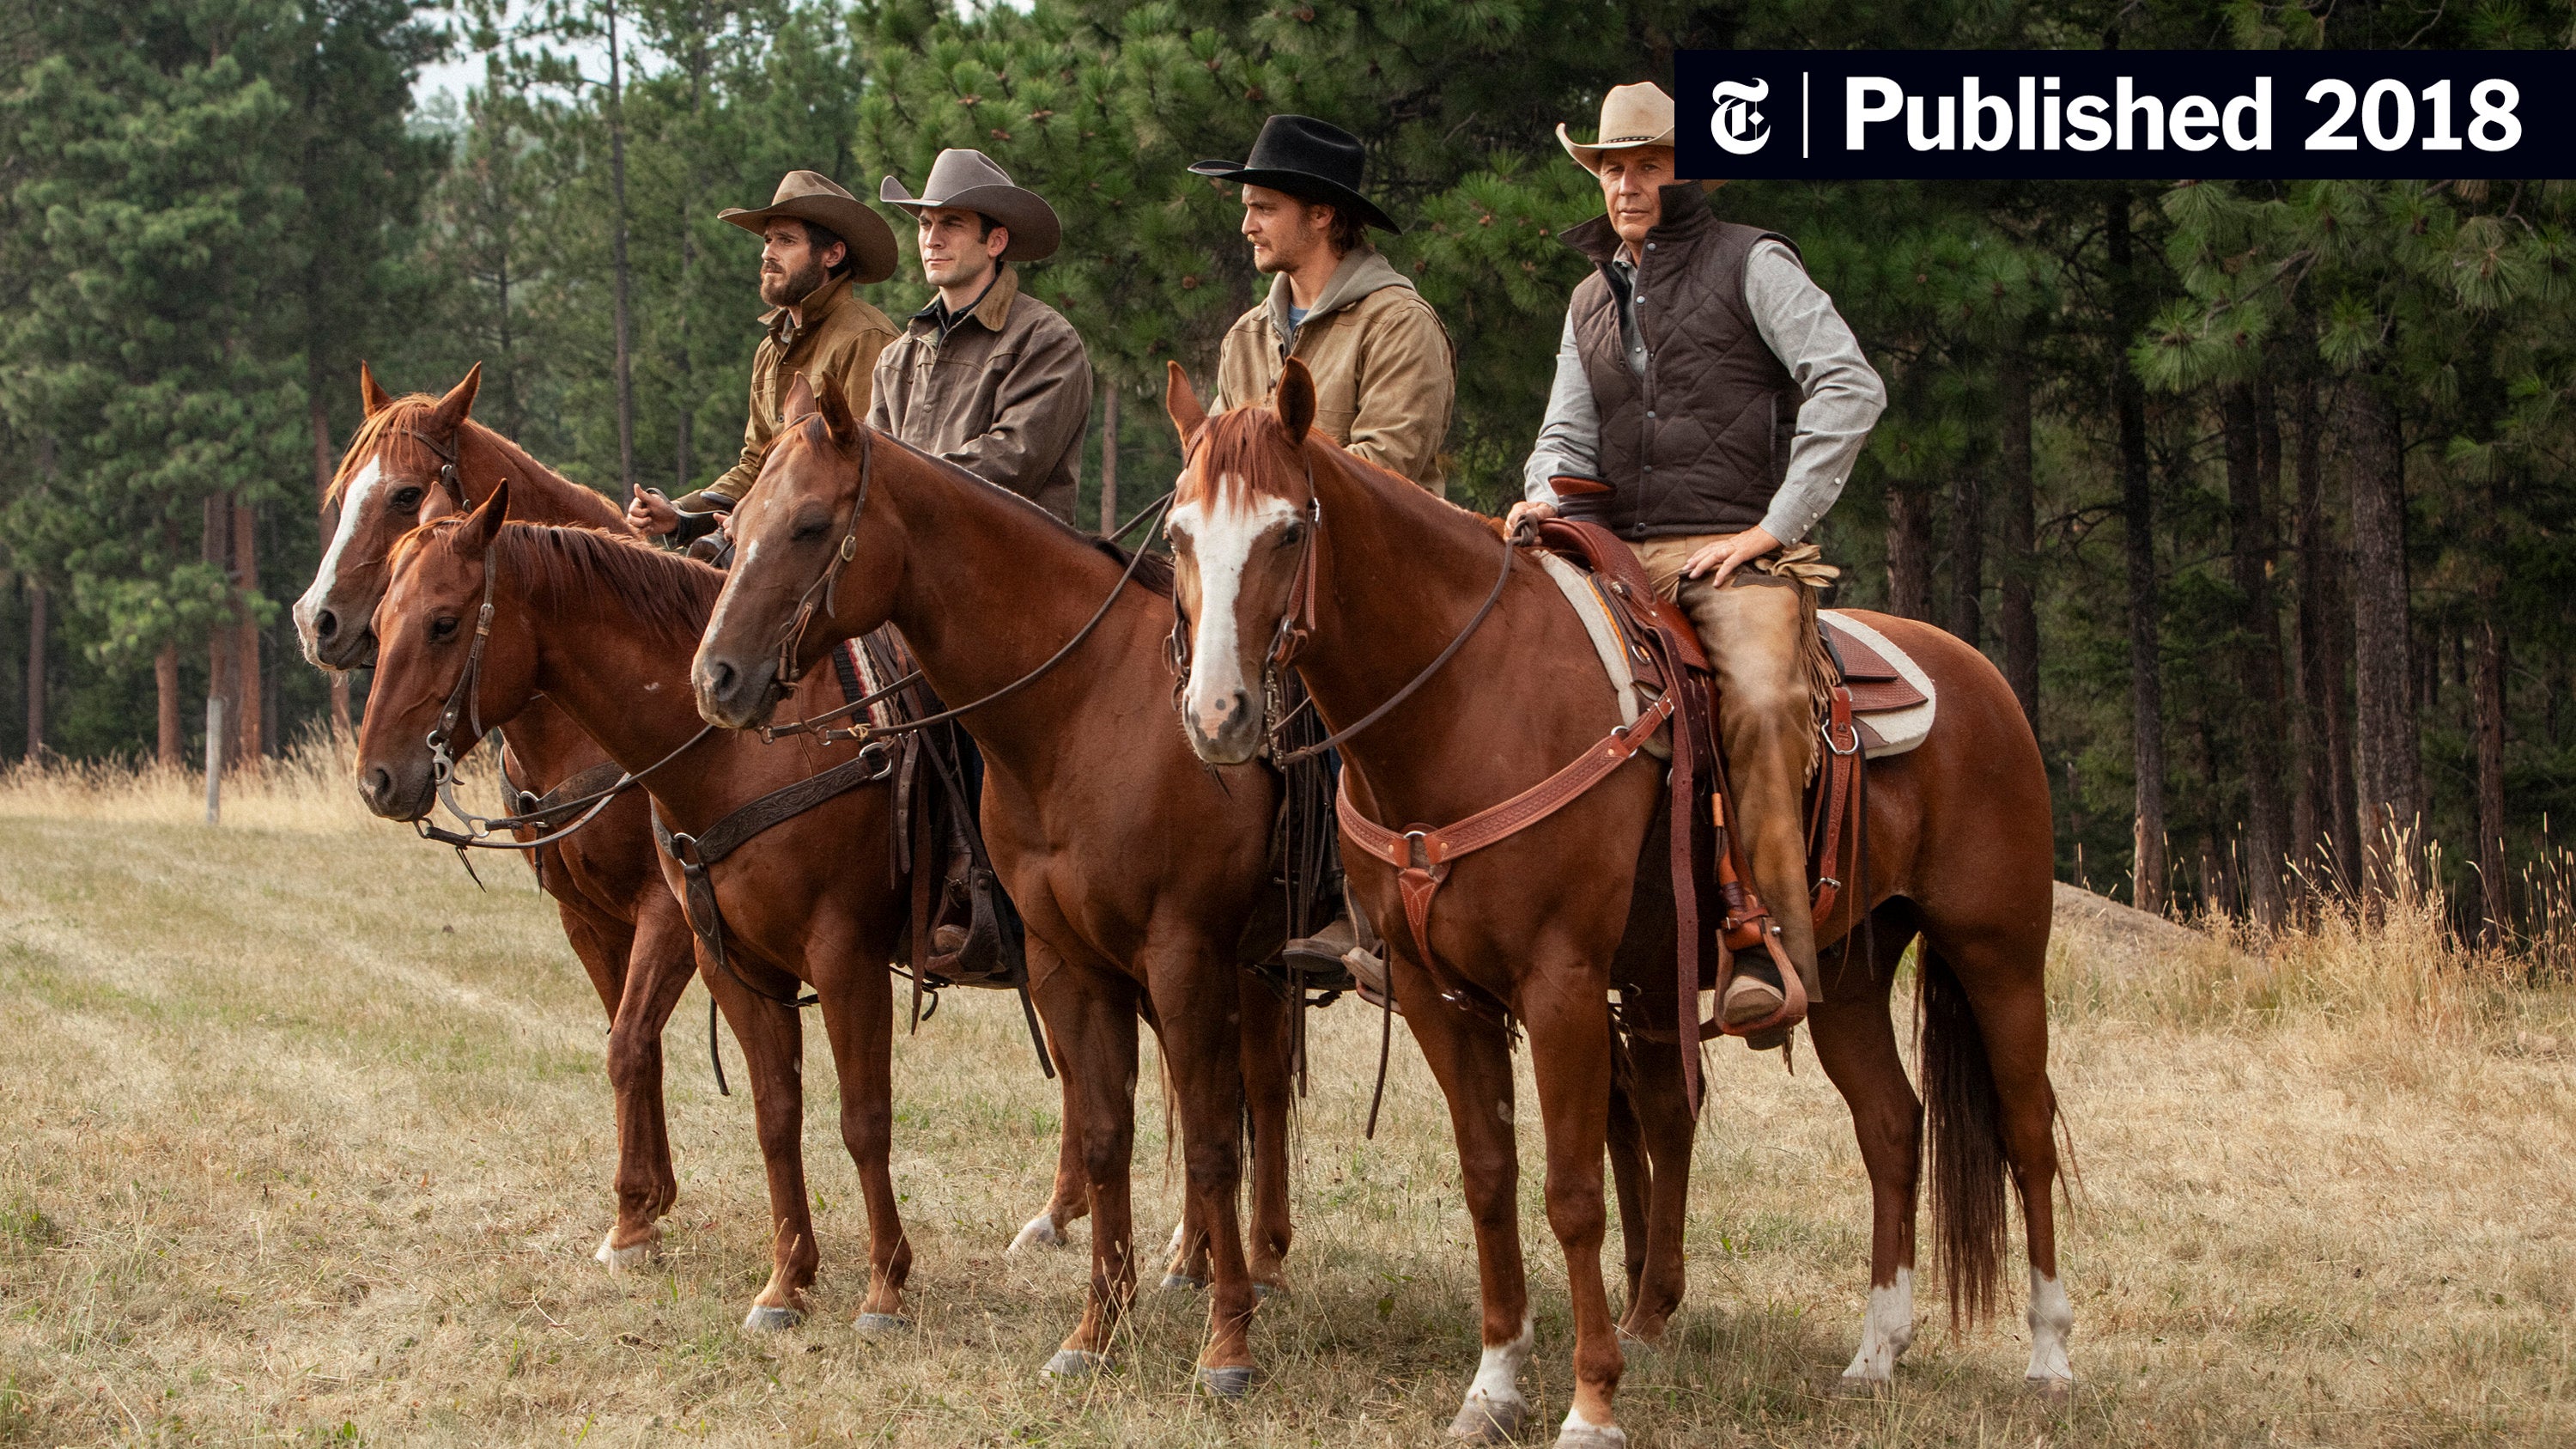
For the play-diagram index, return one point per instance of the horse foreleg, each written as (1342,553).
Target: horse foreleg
(1569,1037)
(1269,1087)
(1069,1201)
(660,962)
(1855,1038)
(859,1018)
(773,1048)
(1471,1060)
(1197,1001)
(1092,1016)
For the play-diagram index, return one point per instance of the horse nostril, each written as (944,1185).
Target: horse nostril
(325,624)
(380,784)
(720,678)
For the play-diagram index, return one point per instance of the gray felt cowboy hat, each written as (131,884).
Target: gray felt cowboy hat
(812,196)
(969,180)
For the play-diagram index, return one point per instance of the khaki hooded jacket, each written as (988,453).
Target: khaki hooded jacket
(1386,376)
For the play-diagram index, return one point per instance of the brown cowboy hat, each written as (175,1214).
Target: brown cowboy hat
(812,196)
(970,181)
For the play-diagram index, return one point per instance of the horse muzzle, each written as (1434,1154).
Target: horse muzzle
(396,791)
(333,640)
(1224,729)
(735,695)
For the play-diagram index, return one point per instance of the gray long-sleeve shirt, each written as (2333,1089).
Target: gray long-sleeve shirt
(1841,393)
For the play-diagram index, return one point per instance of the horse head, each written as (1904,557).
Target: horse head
(811,549)
(443,669)
(1241,527)
(399,472)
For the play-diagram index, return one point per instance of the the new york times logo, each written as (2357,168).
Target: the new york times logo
(1737,127)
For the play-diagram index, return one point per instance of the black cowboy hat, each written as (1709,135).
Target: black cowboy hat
(1311,160)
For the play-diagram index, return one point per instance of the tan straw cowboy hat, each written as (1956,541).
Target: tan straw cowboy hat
(970,181)
(1631,116)
(812,196)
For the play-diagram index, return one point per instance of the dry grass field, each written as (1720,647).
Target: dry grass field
(303,1138)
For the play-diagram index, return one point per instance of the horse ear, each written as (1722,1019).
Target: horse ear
(452,410)
(484,524)
(371,397)
(1183,404)
(799,400)
(835,407)
(1295,399)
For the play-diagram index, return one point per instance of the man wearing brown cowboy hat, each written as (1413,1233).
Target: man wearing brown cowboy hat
(1385,374)
(1708,406)
(817,242)
(986,376)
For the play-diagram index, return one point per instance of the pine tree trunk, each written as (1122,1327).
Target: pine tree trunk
(2018,623)
(2489,689)
(171,749)
(1909,553)
(2137,511)
(1968,557)
(2389,774)
(36,608)
(250,735)
(1109,462)
(216,549)
(617,259)
(2328,833)
(2258,657)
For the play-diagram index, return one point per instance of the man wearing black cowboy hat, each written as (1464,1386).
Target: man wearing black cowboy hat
(817,242)
(1385,374)
(986,376)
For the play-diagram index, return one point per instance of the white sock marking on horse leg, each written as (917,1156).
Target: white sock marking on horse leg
(1498,1372)
(2052,1322)
(1039,1232)
(353,504)
(1886,1330)
(1222,539)
(1579,1432)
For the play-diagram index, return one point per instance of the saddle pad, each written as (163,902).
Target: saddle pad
(864,670)
(1895,701)
(1607,641)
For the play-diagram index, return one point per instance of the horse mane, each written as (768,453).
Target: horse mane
(390,433)
(1247,455)
(665,591)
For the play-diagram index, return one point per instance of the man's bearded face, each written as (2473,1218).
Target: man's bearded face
(791,266)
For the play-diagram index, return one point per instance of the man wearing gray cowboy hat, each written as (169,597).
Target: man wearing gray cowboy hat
(1385,374)
(817,242)
(1708,406)
(986,376)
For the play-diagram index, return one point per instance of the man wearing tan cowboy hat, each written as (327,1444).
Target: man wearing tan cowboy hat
(817,242)
(1708,406)
(1385,374)
(986,376)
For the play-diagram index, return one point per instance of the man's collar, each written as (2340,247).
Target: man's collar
(783,327)
(992,307)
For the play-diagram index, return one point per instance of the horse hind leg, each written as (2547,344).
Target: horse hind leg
(1854,1032)
(661,962)
(1994,1113)
(1269,1067)
(1652,1225)
(1070,1200)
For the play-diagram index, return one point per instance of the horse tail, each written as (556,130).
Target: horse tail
(1968,1162)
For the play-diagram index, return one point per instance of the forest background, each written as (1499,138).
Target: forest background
(2258,493)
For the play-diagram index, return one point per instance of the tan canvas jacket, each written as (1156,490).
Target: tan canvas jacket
(1386,376)
(1006,394)
(840,339)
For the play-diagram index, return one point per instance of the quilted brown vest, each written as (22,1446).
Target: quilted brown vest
(1700,443)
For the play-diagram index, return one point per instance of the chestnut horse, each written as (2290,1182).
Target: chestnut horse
(602,626)
(417,457)
(1138,868)
(1530,930)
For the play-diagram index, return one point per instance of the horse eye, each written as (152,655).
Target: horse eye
(442,630)
(1292,534)
(810,525)
(406,500)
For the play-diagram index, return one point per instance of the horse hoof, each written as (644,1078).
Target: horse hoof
(1269,1290)
(1038,1232)
(883,1323)
(1489,1421)
(1226,1383)
(2055,1393)
(1633,1347)
(764,1319)
(1074,1363)
(617,1260)
(1184,1282)
(1853,1386)
(1582,1433)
